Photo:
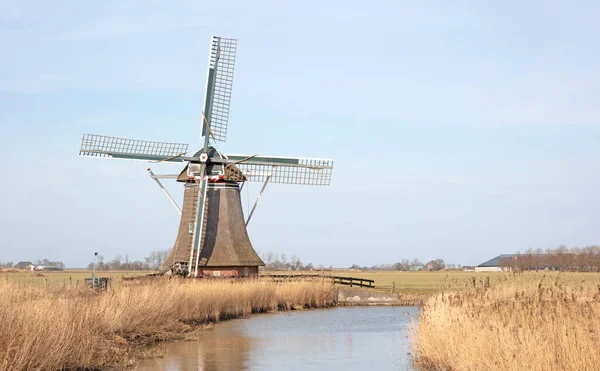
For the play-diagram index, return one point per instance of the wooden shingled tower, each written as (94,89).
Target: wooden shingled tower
(212,239)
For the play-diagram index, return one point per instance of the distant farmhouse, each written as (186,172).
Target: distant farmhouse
(25,265)
(521,262)
(503,262)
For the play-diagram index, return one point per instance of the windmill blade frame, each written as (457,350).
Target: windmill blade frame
(101,146)
(219,84)
(282,170)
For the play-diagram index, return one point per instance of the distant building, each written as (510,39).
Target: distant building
(417,268)
(25,265)
(500,263)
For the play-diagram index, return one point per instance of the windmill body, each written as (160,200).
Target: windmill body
(212,239)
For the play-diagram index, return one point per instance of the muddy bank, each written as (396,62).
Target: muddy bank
(348,296)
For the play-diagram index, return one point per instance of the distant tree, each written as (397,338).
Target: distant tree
(269,257)
(296,263)
(507,263)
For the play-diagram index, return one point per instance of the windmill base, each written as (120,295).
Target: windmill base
(227,271)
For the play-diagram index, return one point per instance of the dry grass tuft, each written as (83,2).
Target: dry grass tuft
(523,322)
(72,327)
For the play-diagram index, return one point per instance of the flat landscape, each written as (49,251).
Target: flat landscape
(423,282)
(539,319)
(410,282)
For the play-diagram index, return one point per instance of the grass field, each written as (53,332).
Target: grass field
(421,282)
(410,282)
(70,277)
(406,282)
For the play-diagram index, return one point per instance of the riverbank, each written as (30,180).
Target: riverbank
(354,296)
(73,327)
(532,321)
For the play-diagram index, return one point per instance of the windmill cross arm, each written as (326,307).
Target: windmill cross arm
(164,176)
(129,156)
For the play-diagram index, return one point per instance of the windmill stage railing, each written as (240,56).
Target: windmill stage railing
(339,280)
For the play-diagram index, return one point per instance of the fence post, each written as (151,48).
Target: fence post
(393,286)
(487,282)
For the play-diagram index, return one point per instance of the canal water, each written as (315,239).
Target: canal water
(347,338)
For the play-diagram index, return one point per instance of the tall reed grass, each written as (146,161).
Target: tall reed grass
(523,322)
(72,327)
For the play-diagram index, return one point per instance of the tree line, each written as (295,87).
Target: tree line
(409,265)
(563,258)
(151,262)
(276,262)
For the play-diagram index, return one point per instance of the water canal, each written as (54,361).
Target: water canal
(347,338)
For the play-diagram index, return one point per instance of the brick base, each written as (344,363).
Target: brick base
(227,271)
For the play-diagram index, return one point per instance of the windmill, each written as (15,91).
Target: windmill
(212,239)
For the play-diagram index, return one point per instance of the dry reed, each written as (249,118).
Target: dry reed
(72,327)
(523,322)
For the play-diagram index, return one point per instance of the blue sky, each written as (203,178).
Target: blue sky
(460,131)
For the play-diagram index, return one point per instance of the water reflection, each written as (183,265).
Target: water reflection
(333,339)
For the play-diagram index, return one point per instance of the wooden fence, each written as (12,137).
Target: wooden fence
(349,281)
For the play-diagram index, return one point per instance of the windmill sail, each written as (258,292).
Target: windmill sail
(286,170)
(219,82)
(130,149)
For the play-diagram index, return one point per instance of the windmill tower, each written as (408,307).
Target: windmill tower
(212,239)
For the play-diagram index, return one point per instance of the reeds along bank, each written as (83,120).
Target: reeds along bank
(525,322)
(73,327)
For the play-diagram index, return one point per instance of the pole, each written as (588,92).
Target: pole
(94,272)
(164,190)
(259,195)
